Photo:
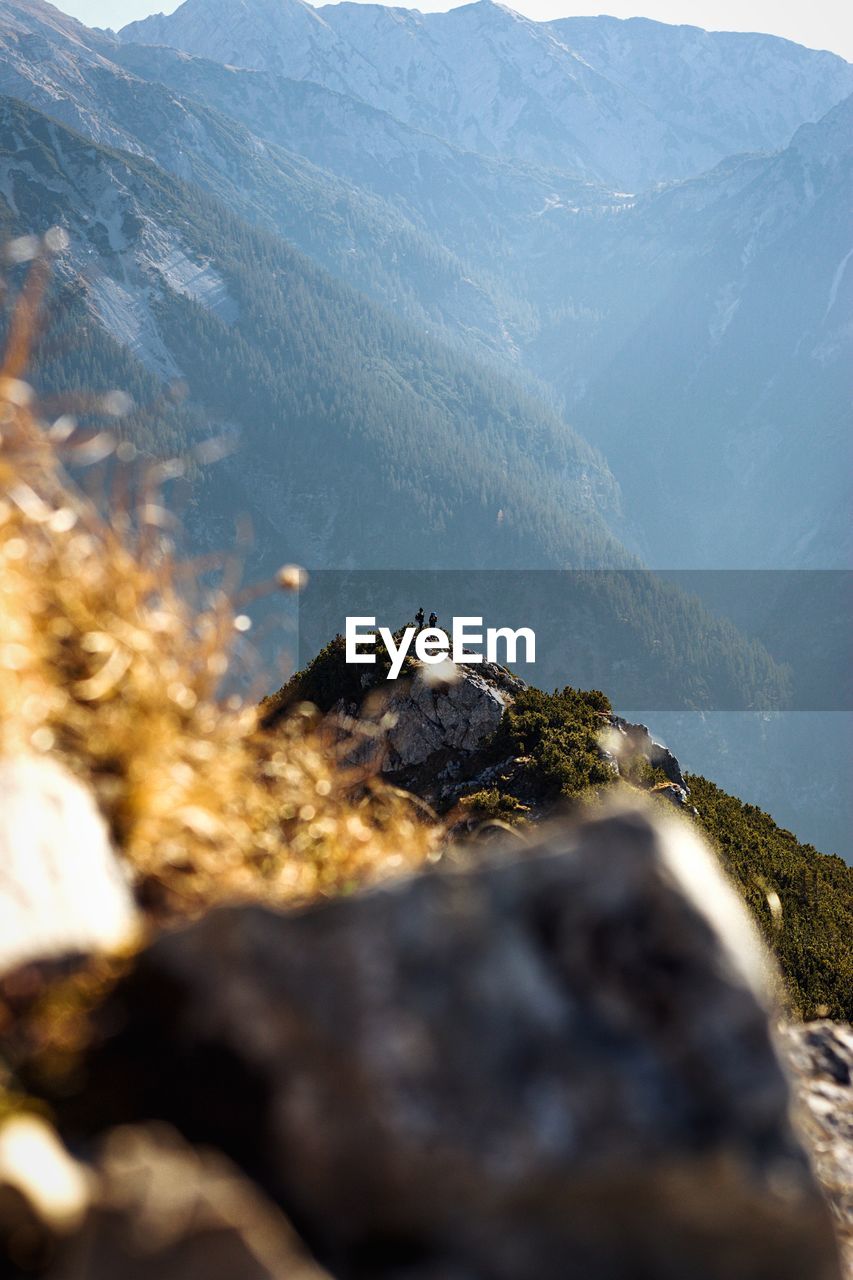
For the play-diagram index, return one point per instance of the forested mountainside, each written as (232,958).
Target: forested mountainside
(360,442)
(736,282)
(495,82)
(60,68)
(723,338)
(489,210)
(352,423)
(726,277)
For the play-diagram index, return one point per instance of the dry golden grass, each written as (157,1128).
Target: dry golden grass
(105,664)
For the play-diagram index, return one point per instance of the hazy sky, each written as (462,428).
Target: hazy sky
(822,24)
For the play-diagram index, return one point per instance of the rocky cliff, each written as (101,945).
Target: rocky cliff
(630,102)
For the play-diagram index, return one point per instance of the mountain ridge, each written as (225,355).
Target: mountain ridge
(553,104)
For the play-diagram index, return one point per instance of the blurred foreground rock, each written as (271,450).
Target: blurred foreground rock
(555,1065)
(149,1208)
(820,1057)
(62,889)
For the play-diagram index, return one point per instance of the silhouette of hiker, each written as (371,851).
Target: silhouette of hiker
(433,619)
(419,619)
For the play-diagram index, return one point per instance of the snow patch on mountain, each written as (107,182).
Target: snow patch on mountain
(199,281)
(125,313)
(836,282)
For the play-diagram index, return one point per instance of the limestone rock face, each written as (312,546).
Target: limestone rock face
(456,715)
(554,1064)
(428,733)
(635,739)
(624,740)
(62,888)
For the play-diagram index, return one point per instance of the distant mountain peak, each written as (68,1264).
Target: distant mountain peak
(625,103)
(831,137)
(33,15)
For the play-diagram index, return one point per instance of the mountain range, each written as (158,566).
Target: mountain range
(546,271)
(471,290)
(563,94)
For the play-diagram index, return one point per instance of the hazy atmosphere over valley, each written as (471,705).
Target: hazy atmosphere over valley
(425,627)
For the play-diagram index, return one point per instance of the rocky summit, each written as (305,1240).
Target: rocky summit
(437,731)
(431,732)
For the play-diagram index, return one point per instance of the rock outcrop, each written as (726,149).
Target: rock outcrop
(635,739)
(432,734)
(555,1064)
(623,741)
(456,714)
(425,727)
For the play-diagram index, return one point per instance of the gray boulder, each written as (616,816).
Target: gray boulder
(445,710)
(457,715)
(626,739)
(556,1064)
(622,742)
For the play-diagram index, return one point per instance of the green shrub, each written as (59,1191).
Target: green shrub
(558,733)
(494,805)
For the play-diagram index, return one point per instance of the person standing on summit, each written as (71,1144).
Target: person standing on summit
(419,619)
(433,619)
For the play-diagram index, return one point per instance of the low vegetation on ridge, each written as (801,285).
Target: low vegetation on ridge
(801,899)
